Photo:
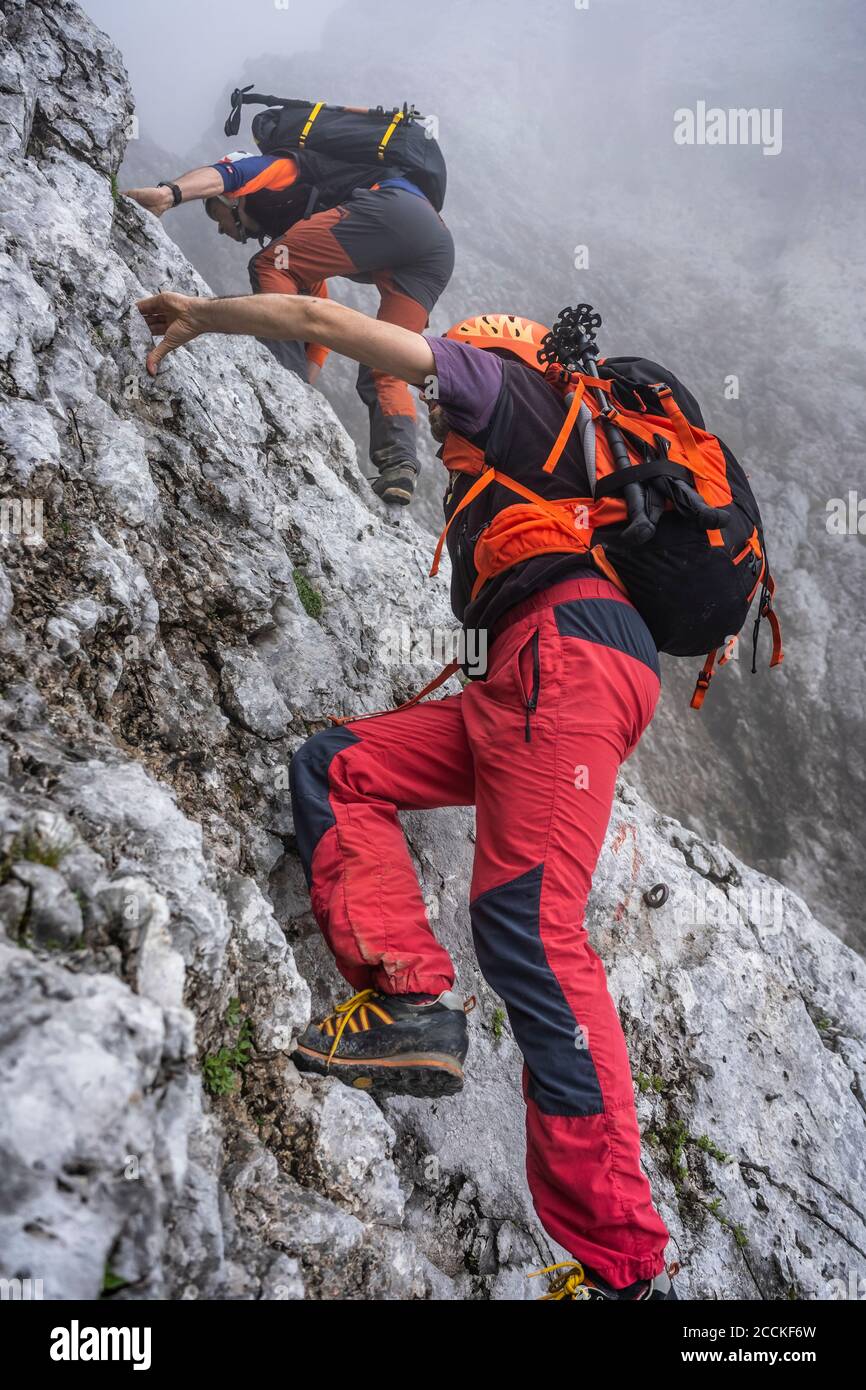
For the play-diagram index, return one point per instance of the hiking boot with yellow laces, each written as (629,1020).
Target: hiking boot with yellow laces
(390,1044)
(571,1280)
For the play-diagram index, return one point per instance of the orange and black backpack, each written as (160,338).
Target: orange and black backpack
(672,520)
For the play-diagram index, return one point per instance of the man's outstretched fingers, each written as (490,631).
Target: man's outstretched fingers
(155,356)
(169,316)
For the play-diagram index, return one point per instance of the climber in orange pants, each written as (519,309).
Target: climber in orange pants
(362,241)
(388,235)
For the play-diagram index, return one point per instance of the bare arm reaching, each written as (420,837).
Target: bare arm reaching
(385,347)
(198,183)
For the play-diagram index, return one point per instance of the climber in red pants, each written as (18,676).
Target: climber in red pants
(535,745)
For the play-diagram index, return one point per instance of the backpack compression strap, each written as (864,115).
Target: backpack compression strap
(245,96)
(702,683)
(765,610)
(395,121)
(302,138)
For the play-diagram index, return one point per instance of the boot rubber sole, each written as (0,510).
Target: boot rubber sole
(425,1074)
(398,496)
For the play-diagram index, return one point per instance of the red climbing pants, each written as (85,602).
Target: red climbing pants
(535,746)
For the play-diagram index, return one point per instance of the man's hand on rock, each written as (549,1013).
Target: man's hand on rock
(176,318)
(155,200)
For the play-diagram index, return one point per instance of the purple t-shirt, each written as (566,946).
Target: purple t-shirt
(473,386)
(469,381)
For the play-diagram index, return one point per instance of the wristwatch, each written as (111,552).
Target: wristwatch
(175,191)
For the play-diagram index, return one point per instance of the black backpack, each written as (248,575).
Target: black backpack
(380,143)
(672,520)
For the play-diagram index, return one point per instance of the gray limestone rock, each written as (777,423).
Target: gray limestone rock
(211,584)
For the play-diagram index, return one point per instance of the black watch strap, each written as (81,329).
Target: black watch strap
(175,191)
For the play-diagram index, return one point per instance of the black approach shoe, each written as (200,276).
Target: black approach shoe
(396,484)
(391,1044)
(571,1280)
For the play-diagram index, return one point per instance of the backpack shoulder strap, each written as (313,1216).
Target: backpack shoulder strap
(567,427)
(486,478)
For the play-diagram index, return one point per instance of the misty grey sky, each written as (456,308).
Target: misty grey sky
(182,55)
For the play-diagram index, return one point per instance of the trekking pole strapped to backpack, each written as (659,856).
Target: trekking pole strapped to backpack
(571,343)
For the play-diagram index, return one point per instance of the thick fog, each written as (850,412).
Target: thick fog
(179,54)
(582,166)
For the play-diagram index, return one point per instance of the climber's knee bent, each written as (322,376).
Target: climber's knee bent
(347,784)
(309,783)
(269,276)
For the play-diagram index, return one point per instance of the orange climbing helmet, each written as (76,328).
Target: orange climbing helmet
(510,332)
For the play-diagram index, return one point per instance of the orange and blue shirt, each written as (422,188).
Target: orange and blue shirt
(243,174)
(248,173)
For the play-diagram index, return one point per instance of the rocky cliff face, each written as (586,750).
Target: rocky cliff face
(719,263)
(207,583)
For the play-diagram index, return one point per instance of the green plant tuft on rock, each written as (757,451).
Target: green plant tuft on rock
(111,1281)
(311,599)
(32,847)
(221,1070)
(709,1147)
